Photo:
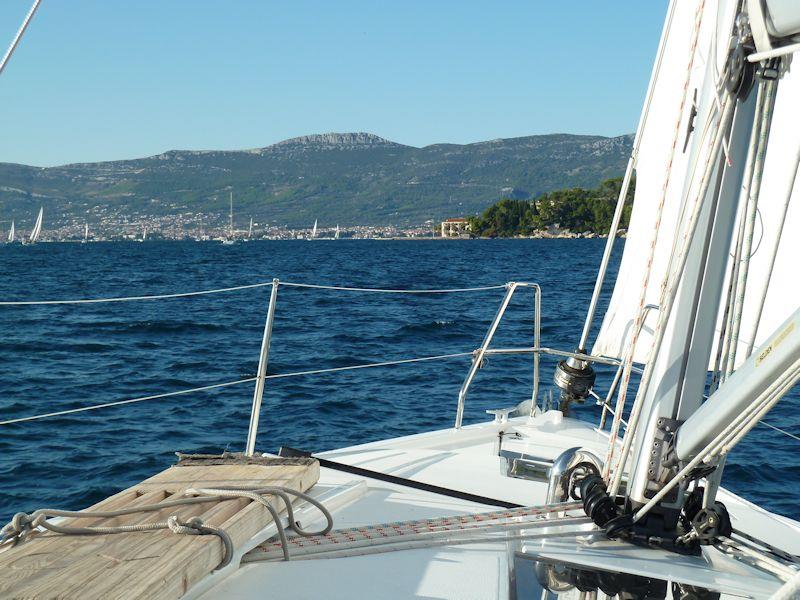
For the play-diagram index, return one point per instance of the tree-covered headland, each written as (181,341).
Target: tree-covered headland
(577,209)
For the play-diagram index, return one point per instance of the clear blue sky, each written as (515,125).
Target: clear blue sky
(110,79)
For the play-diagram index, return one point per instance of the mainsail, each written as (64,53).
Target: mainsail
(250,231)
(336,233)
(671,174)
(314,230)
(37,228)
(11,233)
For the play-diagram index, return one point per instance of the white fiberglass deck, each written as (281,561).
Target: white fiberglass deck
(468,460)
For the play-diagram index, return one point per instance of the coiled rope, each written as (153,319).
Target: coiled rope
(22,525)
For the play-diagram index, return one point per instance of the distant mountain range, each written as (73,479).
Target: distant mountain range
(345,178)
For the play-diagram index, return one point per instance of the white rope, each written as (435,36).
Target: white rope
(121,402)
(369,365)
(245,287)
(18,37)
(393,291)
(23,524)
(133,298)
(230,383)
(779,430)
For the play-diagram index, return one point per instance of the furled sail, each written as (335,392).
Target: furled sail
(37,228)
(683,120)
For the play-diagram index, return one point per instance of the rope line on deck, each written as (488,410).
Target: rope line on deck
(23,524)
(246,287)
(70,411)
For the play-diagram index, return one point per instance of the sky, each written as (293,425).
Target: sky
(98,80)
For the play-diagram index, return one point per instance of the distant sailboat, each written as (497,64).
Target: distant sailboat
(250,231)
(11,234)
(85,233)
(144,233)
(314,230)
(37,228)
(336,234)
(230,240)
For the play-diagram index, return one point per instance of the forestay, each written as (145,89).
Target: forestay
(657,163)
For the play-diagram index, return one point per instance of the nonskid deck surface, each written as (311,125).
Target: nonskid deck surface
(468,460)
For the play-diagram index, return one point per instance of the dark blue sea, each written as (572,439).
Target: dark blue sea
(67,356)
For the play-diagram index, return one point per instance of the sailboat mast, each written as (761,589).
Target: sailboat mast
(230,217)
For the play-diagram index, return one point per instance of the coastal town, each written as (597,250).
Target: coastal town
(203,227)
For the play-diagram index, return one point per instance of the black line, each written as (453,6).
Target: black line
(287,452)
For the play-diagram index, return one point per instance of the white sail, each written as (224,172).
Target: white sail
(250,231)
(37,228)
(230,218)
(668,125)
(11,233)
(336,234)
(144,233)
(314,230)
(86,232)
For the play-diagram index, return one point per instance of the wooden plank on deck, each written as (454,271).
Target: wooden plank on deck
(156,564)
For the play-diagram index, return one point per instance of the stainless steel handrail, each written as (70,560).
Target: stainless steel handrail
(263,360)
(477,360)
(483,350)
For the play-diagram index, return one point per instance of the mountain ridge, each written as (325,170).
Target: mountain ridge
(351,177)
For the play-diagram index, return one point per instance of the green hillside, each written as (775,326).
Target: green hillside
(353,178)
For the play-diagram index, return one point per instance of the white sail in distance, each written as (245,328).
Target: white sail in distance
(654,167)
(336,234)
(230,218)
(86,232)
(11,233)
(314,230)
(37,228)
(250,231)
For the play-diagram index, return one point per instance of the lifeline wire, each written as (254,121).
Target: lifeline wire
(230,383)
(393,291)
(245,287)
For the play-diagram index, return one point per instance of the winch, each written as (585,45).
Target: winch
(575,378)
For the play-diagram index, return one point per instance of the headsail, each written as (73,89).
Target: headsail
(656,163)
(37,228)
